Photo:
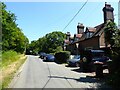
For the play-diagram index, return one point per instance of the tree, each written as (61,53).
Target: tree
(54,40)
(12,36)
(110,32)
(112,37)
(33,47)
(50,43)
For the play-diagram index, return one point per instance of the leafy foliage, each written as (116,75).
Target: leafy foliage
(50,43)
(112,36)
(9,57)
(62,57)
(11,62)
(12,36)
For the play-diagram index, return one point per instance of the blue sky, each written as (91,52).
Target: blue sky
(39,18)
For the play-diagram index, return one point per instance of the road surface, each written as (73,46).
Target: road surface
(38,74)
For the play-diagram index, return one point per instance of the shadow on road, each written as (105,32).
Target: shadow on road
(79,70)
(87,79)
(70,66)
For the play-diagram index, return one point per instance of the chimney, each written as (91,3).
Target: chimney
(74,37)
(80,28)
(108,13)
(68,35)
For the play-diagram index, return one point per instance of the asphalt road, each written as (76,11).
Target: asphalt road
(38,74)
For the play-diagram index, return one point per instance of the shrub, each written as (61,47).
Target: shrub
(62,57)
(9,57)
(115,69)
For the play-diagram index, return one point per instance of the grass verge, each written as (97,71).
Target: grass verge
(11,62)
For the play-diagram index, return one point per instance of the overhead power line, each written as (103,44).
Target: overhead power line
(75,15)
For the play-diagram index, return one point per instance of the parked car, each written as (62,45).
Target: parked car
(90,57)
(49,57)
(73,61)
(42,55)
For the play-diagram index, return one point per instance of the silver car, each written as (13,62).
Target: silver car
(73,61)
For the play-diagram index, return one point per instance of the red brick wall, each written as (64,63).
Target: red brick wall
(90,43)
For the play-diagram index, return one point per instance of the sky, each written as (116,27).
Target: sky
(36,19)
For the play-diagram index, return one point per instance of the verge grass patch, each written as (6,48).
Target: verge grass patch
(11,62)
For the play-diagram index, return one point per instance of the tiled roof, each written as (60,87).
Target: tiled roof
(91,29)
(67,41)
(99,30)
(79,35)
(71,37)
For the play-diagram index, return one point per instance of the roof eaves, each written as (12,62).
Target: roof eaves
(98,29)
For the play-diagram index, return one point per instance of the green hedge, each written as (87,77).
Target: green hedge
(61,57)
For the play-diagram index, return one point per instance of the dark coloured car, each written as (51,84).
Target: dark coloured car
(49,58)
(42,55)
(90,57)
(73,62)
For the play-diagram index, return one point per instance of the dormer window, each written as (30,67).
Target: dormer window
(90,31)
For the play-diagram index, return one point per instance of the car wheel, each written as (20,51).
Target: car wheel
(84,59)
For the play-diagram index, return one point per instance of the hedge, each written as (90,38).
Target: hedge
(62,57)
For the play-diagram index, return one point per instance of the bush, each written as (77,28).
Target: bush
(62,57)
(115,69)
(9,56)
